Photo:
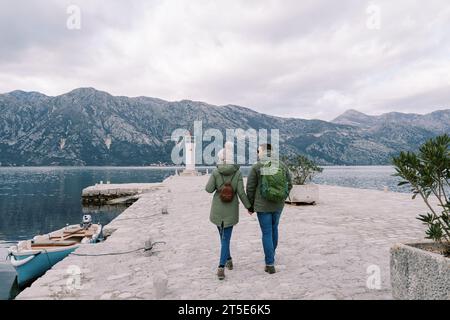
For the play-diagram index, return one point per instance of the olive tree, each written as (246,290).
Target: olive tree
(302,168)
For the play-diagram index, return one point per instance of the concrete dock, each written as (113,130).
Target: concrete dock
(101,194)
(334,250)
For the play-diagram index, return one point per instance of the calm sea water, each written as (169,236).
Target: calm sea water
(363,177)
(38,200)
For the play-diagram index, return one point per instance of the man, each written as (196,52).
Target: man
(268,186)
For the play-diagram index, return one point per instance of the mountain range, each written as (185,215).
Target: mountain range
(91,127)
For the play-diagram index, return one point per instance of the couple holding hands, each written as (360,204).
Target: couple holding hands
(268,186)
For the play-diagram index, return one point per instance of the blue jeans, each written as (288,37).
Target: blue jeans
(225,237)
(268,221)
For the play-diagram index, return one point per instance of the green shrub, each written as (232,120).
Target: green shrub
(428,174)
(302,169)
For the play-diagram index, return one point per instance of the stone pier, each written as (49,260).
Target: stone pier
(103,194)
(337,249)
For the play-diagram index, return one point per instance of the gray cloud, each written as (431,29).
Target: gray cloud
(311,59)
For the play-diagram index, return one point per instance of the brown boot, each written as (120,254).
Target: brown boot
(270,269)
(229,264)
(221,273)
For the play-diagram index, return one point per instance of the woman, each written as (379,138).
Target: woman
(225,214)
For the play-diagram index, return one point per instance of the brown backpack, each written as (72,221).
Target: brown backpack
(226,192)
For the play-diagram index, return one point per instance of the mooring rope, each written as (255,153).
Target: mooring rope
(138,218)
(118,253)
(48,258)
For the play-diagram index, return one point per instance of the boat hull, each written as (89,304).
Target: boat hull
(31,266)
(32,258)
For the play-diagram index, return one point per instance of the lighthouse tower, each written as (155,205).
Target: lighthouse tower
(189,152)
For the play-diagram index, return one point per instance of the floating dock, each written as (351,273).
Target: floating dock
(328,251)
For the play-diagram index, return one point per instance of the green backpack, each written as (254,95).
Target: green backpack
(274,186)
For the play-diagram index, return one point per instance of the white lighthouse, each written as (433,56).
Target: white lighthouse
(189,151)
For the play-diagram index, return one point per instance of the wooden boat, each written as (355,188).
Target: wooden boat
(32,258)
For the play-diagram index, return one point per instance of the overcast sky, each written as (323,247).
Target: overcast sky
(307,59)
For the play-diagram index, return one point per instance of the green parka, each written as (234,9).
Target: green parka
(226,213)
